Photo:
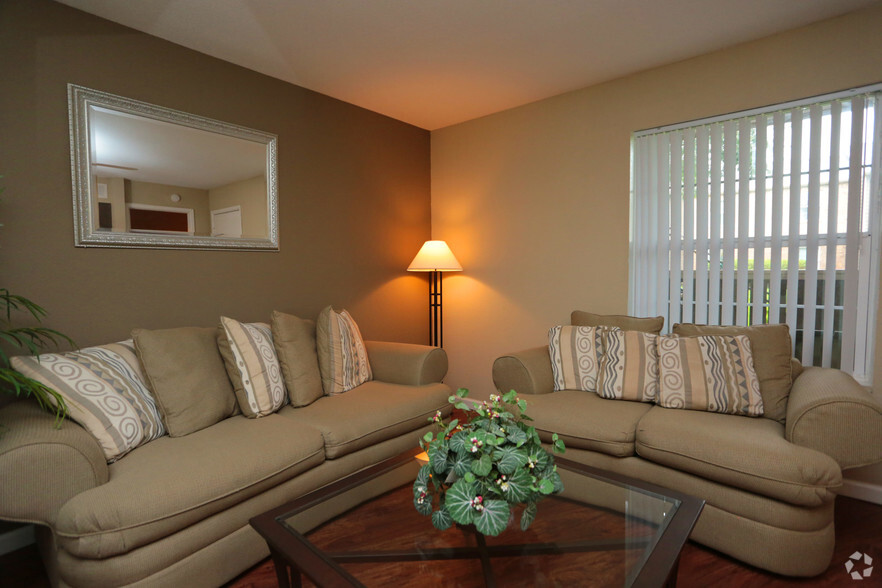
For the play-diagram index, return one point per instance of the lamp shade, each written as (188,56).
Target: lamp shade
(434,256)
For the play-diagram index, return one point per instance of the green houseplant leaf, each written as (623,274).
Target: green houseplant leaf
(493,518)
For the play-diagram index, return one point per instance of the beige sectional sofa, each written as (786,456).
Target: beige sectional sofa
(769,483)
(174,511)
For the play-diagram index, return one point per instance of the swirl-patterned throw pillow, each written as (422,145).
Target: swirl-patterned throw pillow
(342,356)
(575,357)
(629,370)
(251,362)
(105,392)
(710,372)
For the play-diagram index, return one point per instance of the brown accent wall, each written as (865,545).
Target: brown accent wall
(353,188)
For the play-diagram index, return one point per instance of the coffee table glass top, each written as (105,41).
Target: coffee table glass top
(603,530)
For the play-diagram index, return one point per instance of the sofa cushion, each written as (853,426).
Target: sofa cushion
(772,351)
(175,482)
(586,421)
(709,372)
(294,339)
(575,357)
(252,365)
(624,322)
(186,373)
(370,413)
(105,392)
(629,369)
(751,454)
(342,356)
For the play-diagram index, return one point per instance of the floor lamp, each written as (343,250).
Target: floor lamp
(435,257)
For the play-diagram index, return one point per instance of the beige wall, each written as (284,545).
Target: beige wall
(353,190)
(250,196)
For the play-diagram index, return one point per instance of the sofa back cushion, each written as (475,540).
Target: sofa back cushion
(772,351)
(709,372)
(626,323)
(342,356)
(294,339)
(105,392)
(252,365)
(186,373)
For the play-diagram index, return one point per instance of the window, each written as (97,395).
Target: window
(766,216)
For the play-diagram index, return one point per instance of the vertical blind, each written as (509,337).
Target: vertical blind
(767,216)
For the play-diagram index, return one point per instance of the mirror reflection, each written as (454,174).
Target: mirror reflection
(145,176)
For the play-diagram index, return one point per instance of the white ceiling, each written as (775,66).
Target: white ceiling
(434,63)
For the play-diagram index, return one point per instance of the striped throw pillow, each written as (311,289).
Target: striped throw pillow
(342,356)
(575,357)
(105,392)
(253,367)
(629,369)
(710,372)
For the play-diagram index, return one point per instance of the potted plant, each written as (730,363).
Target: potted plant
(480,469)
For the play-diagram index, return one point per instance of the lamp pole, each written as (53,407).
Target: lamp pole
(435,257)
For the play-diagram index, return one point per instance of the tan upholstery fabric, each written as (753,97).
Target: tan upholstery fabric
(294,339)
(42,467)
(406,363)
(772,351)
(213,469)
(186,373)
(252,365)
(370,413)
(751,454)
(709,372)
(626,323)
(587,421)
(527,372)
(830,412)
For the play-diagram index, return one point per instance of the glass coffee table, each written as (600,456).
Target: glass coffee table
(602,530)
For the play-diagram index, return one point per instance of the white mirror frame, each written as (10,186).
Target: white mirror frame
(80,100)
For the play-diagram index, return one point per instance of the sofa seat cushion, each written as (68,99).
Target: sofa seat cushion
(370,413)
(174,482)
(584,420)
(751,454)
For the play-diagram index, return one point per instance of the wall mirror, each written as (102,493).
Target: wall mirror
(147,176)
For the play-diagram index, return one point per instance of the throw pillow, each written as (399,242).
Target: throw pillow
(342,356)
(105,392)
(251,362)
(575,357)
(710,372)
(186,373)
(629,369)
(626,323)
(772,351)
(294,339)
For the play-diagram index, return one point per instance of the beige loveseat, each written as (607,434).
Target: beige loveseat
(769,482)
(175,510)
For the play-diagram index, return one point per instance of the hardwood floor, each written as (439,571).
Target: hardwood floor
(858,529)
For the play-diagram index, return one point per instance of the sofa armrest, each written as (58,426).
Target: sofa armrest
(44,466)
(526,372)
(829,411)
(406,363)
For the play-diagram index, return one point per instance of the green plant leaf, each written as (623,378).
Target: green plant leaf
(528,516)
(441,519)
(494,518)
(462,392)
(459,443)
(546,486)
(458,502)
(522,404)
(461,465)
(482,466)
(508,459)
(429,436)
(438,457)
(519,486)
(516,435)
(509,396)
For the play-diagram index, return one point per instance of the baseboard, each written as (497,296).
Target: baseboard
(862,491)
(16,539)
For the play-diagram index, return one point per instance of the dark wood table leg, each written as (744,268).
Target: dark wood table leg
(671,582)
(286,576)
(489,579)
